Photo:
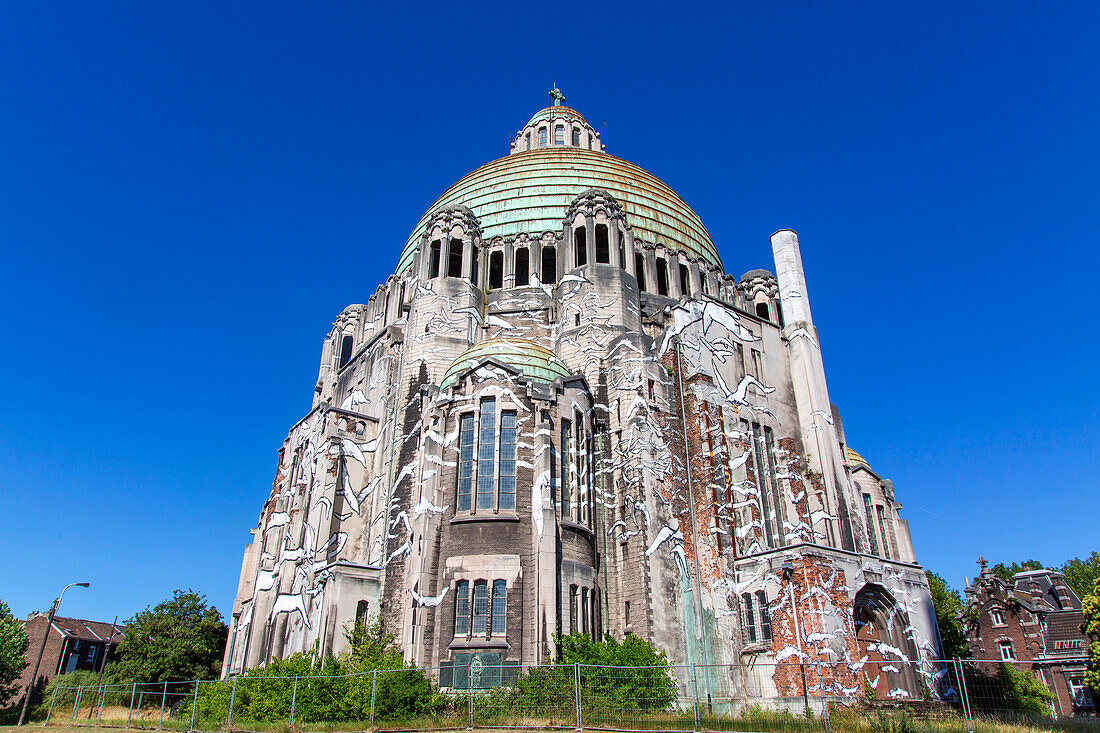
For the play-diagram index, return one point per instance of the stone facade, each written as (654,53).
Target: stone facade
(561,415)
(1035,621)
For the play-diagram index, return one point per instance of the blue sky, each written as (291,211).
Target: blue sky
(190,193)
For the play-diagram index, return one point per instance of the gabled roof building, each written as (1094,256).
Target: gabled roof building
(561,414)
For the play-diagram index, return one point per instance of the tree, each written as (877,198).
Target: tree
(13,653)
(178,639)
(948,605)
(1081,574)
(1005,572)
(1091,606)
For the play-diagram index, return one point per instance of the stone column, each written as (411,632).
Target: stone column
(569,261)
(590,239)
(509,278)
(467,256)
(613,239)
(628,252)
(673,260)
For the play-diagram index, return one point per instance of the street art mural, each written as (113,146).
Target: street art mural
(560,415)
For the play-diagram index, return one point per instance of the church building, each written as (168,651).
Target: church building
(562,415)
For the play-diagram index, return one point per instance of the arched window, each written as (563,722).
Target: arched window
(580,247)
(496,270)
(549,265)
(603,247)
(481,607)
(577,136)
(559,135)
(542,137)
(433,259)
(523,266)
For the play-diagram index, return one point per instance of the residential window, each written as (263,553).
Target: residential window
(559,134)
(523,259)
(454,258)
(748,620)
(486,454)
(542,137)
(481,607)
(500,607)
(882,529)
(576,136)
(507,494)
(765,616)
(549,266)
(996,617)
(566,469)
(433,259)
(1008,654)
(462,607)
(346,343)
(603,247)
(580,247)
(465,461)
(870,524)
(662,277)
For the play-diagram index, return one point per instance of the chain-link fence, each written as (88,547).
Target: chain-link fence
(788,697)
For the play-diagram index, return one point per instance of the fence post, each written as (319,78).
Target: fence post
(805,694)
(373,690)
(824,700)
(130,715)
(194,706)
(102,702)
(695,694)
(577,690)
(76,703)
(293,700)
(232,698)
(965,696)
(470,697)
(163,699)
(50,711)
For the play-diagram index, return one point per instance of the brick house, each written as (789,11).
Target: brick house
(1036,620)
(71,645)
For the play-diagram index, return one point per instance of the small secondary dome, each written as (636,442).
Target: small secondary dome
(529,358)
(855,458)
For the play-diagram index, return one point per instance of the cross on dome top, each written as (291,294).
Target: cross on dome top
(556,97)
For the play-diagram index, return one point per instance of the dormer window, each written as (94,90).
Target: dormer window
(576,136)
(542,137)
(559,135)
(996,617)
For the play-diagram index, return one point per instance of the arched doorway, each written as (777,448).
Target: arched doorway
(883,634)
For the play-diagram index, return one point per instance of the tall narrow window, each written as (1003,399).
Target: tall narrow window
(578,450)
(362,612)
(882,529)
(639,270)
(662,276)
(542,137)
(462,607)
(523,266)
(584,611)
(454,259)
(433,259)
(765,616)
(549,265)
(346,343)
(622,255)
(685,280)
(870,524)
(496,270)
(576,136)
(559,134)
(500,607)
(566,469)
(507,494)
(762,310)
(773,486)
(703,282)
(626,614)
(528,141)
(760,466)
(473,265)
(603,246)
(749,618)
(481,607)
(573,609)
(580,247)
(486,448)
(465,461)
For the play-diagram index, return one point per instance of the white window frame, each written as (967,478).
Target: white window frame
(1008,653)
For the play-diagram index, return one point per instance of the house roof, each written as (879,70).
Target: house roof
(88,630)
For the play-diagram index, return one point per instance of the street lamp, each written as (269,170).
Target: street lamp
(41,649)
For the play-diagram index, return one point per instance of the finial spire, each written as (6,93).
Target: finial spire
(556,97)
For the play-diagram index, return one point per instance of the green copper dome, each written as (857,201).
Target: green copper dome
(529,192)
(556,112)
(529,358)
